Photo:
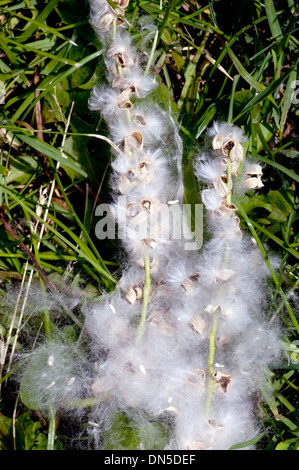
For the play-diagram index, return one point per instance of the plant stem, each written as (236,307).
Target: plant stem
(212,350)
(146,295)
(212,345)
(229,180)
(52,429)
(151,57)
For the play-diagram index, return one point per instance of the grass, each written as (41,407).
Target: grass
(54,169)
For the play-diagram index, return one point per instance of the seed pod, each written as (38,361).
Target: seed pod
(150,242)
(221,187)
(189,283)
(198,324)
(223,380)
(138,120)
(133,209)
(234,166)
(123,100)
(106,21)
(145,171)
(253,183)
(236,154)
(133,143)
(122,3)
(227,209)
(212,308)
(154,206)
(135,292)
(127,181)
(254,169)
(225,146)
(131,295)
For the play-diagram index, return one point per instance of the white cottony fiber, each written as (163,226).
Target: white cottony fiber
(184,337)
(205,343)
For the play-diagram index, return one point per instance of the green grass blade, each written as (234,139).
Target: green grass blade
(50,151)
(83,254)
(250,223)
(273,19)
(30,102)
(265,93)
(39,19)
(280,167)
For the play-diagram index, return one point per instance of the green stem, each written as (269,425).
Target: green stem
(146,295)
(229,180)
(151,57)
(212,338)
(52,428)
(212,350)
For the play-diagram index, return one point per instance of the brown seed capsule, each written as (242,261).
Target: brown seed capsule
(221,187)
(227,209)
(145,171)
(133,143)
(198,324)
(146,205)
(228,147)
(131,295)
(145,166)
(133,209)
(123,100)
(253,183)
(254,169)
(236,153)
(150,242)
(189,283)
(223,380)
(106,21)
(212,308)
(138,120)
(122,59)
(122,3)
(154,206)
(127,181)
(135,292)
